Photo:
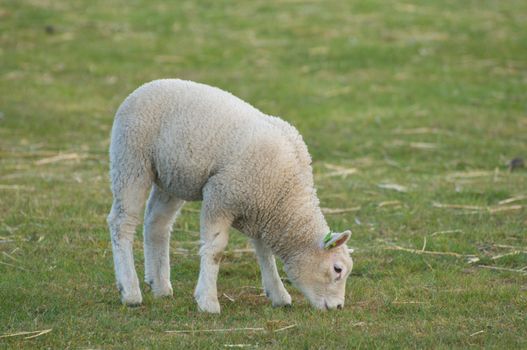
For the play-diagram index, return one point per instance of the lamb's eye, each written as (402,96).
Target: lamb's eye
(337,269)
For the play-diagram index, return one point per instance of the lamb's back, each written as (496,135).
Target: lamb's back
(192,131)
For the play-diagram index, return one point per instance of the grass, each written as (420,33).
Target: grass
(430,96)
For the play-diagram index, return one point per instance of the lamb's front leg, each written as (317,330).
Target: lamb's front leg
(273,286)
(214,233)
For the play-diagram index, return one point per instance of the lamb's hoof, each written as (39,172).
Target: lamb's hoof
(163,294)
(165,290)
(132,306)
(132,299)
(130,296)
(282,300)
(285,305)
(208,305)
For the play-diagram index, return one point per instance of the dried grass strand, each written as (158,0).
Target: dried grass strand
(458,206)
(330,211)
(221,330)
(409,302)
(59,158)
(503,209)
(423,145)
(34,334)
(476,333)
(388,203)
(218,330)
(469,174)
(17,187)
(446,231)
(338,170)
(475,208)
(515,252)
(7,255)
(512,200)
(231,299)
(238,345)
(14,266)
(39,334)
(394,187)
(419,251)
(285,328)
(419,131)
(497,268)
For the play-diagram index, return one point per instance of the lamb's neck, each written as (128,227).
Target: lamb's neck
(294,231)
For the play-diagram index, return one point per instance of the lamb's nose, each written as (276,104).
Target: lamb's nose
(339,306)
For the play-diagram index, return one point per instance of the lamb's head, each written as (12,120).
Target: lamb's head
(321,272)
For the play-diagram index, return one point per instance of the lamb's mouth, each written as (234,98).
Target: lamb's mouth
(326,306)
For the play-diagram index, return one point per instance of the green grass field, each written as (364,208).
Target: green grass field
(410,111)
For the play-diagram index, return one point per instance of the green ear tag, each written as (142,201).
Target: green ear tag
(327,238)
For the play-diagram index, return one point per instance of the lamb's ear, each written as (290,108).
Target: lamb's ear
(337,239)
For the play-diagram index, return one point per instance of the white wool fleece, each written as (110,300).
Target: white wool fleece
(186,141)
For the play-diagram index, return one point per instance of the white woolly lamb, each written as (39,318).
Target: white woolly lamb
(184,141)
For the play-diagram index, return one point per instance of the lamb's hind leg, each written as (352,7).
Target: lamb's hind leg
(161,212)
(129,199)
(273,286)
(214,232)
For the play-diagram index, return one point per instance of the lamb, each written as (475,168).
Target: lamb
(184,141)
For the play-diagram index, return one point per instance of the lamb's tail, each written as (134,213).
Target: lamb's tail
(130,154)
